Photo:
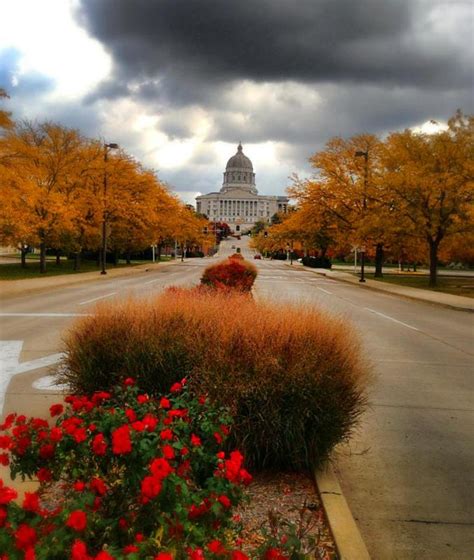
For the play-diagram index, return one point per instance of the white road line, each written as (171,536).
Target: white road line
(391,319)
(44,314)
(152,281)
(97,298)
(10,365)
(323,290)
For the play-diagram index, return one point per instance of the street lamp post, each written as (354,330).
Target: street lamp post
(365,155)
(111,146)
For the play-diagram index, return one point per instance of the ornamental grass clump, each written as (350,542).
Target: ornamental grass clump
(232,274)
(293,377)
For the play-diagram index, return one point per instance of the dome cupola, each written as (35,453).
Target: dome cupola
(239,173)
(239,161)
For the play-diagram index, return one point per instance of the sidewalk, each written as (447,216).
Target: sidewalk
(428,296)
(12,288)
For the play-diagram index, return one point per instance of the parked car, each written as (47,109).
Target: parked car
(257,257)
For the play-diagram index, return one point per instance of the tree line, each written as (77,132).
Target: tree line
(63,191)
(408,196)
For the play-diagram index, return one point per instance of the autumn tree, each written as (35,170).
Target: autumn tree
(429,182)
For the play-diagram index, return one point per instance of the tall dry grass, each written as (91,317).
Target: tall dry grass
(233,273)
(294,378)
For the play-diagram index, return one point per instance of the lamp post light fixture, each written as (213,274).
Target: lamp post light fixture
(107,147)
(365,155)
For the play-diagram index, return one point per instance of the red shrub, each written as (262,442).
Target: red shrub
(233,274)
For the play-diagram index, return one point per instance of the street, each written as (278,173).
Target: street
(407,473)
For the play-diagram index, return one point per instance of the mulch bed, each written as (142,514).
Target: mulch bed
(278,498)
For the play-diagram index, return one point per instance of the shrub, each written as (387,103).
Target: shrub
(293,377)
(136,474)
(232,274)
(237,256)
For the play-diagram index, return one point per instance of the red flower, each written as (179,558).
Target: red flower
(79,551)
(129,381)
(130,414)
(121,442)
(195,440)
(138,426)
(80,435)
(31,502)
(143,399)
(6,494)
(104,555)
(274,554)
(4,460)
(166,434)
(176,387)
(79,486)
(130,548)
(46,451)
(44,475)
(98,486)
(25,537)
(30,554)
(56,409)
(224,500)
(77,520)
(218,437)
(99,397)
(3,516)
(160,468)
(165,403)
(99,445)
(168,452)
(150,422)
(5,442)
(239,555)
(150,488)
(196,554)
(56,435)
(216,547)
(163,556)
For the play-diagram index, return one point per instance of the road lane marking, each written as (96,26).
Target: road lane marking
(97,298)
(152,281)
(45,314)
(48,383)
(323,290)
(10,366)
(391,319)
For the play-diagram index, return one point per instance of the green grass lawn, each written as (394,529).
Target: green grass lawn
(459,286)
(13,271)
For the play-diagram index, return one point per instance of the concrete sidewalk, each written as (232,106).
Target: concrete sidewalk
(12,288)
(428,296)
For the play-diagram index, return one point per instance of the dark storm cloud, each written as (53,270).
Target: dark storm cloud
(212,41)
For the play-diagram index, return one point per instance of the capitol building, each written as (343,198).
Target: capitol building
(238,202)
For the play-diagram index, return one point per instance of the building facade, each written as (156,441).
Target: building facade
(238,202)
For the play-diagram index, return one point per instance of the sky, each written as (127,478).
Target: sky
(178,83)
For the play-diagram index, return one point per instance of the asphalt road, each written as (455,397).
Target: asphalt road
(407,473)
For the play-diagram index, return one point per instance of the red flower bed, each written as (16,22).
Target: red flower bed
(139,478)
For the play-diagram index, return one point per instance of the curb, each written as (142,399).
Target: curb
(386,290)
(347,537)
(64,281)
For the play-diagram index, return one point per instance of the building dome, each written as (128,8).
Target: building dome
(239,161)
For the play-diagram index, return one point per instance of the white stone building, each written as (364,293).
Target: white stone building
(238,202)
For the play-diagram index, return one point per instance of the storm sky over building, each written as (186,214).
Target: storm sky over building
(179,83)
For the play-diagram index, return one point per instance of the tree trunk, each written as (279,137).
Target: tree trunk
(158,254)
(77,260)
(23,250)
(433,261)
(58,257)
(128,257)
(379,256)
(42,258)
